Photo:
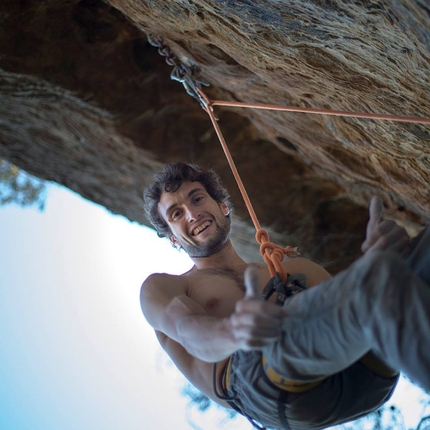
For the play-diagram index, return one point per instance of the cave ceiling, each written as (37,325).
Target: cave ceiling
(87,102)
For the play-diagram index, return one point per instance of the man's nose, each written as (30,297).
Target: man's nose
(192,214)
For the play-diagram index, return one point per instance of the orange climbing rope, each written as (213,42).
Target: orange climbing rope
(397,118)
(272,254)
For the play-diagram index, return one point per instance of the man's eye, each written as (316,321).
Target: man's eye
(176,214)
(198,199)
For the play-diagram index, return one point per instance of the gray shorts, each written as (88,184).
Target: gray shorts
(380,304)
(342,397)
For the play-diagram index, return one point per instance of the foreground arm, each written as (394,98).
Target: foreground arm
(259,323)
(168,310)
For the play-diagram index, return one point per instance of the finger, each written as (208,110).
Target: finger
(259,307)
(375,216)
(252,340)
(257,321)
(244,332)
(391,230)
(252,278)
(386,228)
(394,241)
(375,213)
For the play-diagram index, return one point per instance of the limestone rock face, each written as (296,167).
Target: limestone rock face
(87,102)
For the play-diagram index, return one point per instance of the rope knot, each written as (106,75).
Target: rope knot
(261,236)
(272,254)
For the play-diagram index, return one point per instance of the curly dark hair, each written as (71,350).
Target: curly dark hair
(170,179)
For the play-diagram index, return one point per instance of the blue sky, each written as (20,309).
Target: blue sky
(75,350)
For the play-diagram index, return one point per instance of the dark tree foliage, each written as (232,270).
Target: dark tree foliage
(202,403)
(17,186)
(385,418)
(424,424)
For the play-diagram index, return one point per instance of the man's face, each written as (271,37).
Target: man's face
(198,223)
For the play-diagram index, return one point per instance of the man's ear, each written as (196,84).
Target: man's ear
(224,208)
(174,241)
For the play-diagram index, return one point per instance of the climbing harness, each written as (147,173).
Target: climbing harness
(295,284)
(226,390)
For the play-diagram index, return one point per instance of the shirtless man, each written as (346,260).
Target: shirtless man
(308,364)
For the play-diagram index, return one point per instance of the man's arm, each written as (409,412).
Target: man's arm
(168,310)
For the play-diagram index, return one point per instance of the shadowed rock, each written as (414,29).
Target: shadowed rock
(85,101)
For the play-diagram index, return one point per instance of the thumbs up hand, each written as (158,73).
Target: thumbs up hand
(255,323)
(383,234)
(252,281)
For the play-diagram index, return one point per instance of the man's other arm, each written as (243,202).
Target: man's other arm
(169,310)
(211,339)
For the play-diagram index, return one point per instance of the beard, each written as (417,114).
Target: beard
(213,244)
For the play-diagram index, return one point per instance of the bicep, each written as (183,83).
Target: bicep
(164,303)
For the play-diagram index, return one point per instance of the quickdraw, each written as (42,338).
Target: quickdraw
(180,73)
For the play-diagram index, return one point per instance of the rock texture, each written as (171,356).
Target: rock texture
(87,102)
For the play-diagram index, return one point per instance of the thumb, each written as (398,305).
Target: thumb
(252,278)
(375,213)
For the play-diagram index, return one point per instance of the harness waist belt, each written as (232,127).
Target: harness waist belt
(286,385)
(377,366)
(225,379)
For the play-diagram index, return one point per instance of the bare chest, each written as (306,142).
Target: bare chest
(216,290)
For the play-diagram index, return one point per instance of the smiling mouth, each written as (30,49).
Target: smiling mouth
(201,227)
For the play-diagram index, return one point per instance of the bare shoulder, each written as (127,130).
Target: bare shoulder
(157,293)
(163,283)
(315,273)
(159,279)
